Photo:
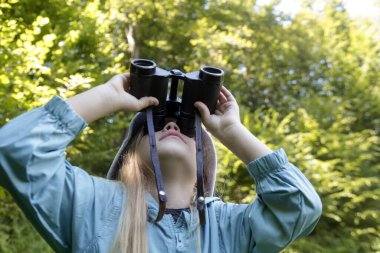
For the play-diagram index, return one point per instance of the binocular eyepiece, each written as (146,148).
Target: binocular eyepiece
(149,80)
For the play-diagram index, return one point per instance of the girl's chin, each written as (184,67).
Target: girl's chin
(173,152)
(175,149)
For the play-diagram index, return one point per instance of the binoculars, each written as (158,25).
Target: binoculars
(149,80)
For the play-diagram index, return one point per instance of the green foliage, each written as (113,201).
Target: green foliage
(16,234)
(308,83)
(342,166)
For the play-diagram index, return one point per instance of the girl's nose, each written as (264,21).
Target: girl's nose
(171,126)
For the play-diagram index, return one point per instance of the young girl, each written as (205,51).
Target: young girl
(76,212)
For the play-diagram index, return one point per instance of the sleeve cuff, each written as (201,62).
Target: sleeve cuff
(66,115)
(265,165)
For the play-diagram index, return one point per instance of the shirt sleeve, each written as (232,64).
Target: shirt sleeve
(286,208)
(63,202)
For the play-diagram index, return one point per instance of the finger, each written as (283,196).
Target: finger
(124,77)
(126,74)
(219,105)
(222,98)
(147,101)
(126,82)
(228,95)
(203,110)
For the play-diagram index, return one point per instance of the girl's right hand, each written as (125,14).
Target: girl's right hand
(120,86)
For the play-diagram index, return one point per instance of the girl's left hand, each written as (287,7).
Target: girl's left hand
(226,114)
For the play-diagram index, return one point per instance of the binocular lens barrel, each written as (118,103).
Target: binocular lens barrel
(211,74)
(143,67)
(149,80)
(212,71)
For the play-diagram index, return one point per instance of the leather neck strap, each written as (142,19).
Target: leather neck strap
(200,192)
(156,165)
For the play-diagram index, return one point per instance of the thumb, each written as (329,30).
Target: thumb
(203,110)
(146,102)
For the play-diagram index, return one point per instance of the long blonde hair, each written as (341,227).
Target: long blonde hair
(138,179)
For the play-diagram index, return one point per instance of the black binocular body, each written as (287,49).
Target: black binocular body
(149,80)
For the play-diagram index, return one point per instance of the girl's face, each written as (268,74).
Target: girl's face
(174,149)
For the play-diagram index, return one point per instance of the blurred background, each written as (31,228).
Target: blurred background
(305,73)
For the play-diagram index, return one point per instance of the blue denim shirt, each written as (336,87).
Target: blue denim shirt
(77,212)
